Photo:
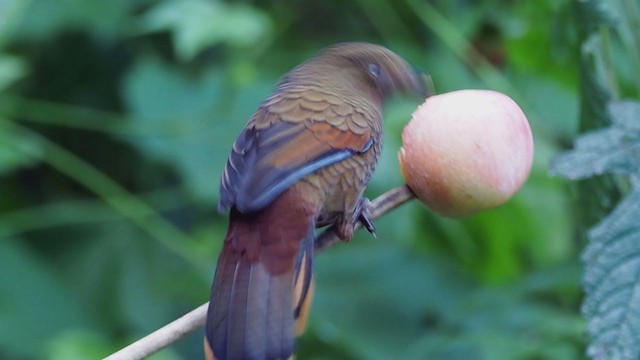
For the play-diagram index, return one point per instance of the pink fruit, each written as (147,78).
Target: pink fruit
(466,151)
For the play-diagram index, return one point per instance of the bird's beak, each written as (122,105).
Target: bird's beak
(424,85)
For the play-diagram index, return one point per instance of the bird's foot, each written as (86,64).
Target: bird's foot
(363,214)
(346,226)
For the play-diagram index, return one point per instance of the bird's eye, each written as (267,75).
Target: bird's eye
(374,70)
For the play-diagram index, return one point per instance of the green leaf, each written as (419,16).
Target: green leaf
(42,19)
(205,119)
(77,345)
(162,95)
(34,304)
(596,86)
(198,24)
(159,92)
(599,152)
(626,114)
(611,283)
(615,149)
(11,70)
(11,157)
(594,13)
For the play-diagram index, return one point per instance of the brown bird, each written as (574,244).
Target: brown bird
(303,161)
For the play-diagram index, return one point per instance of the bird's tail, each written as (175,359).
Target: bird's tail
(255,301)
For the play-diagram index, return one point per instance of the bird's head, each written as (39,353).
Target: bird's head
(361,65)
(381,67)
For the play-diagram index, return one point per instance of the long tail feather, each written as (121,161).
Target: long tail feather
(304,272)
(252,313)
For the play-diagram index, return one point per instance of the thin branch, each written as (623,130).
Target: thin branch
(380,206)
(164,336)
(195,319)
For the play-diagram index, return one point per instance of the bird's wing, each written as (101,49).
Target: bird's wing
(293,134)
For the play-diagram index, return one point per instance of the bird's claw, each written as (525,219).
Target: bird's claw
(364,216)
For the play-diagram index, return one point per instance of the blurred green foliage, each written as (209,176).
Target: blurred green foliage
(605,163)
(116,119)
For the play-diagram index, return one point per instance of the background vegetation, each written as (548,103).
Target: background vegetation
(116,119)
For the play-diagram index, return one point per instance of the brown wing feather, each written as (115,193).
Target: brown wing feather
(312,142)
(292,135)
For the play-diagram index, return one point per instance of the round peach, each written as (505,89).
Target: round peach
(466,151)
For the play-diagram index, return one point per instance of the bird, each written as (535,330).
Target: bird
(302,162)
